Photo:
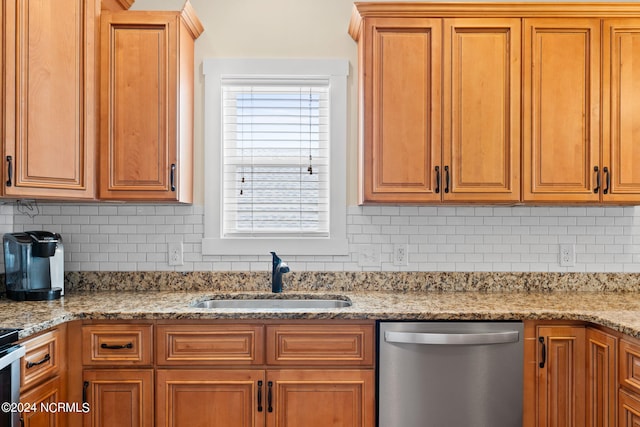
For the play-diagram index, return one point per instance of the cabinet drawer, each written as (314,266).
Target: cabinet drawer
(117,344)
(629,365)
(322,344)
(225,344)
(628,410)
(42,359)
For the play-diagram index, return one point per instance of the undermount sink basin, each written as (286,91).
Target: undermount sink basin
(270,302)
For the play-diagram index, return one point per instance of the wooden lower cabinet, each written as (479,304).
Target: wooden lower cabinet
(319,398)
(118,397)
(629,410)
(560,376)
(210,397)
(49,394)
(601,378)
(256,398)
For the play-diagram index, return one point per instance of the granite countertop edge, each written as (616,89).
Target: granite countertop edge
(619,311)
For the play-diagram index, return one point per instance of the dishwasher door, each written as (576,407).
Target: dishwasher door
(450,374)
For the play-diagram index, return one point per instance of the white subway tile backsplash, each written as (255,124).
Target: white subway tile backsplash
(438,238)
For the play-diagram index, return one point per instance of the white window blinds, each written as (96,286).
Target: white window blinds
(275,158)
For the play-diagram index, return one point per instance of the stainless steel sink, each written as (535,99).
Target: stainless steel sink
(270,302)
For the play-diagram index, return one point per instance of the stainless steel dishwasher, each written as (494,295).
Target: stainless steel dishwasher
(450,374)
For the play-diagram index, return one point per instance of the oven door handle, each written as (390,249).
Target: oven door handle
(431,338)
(13,353)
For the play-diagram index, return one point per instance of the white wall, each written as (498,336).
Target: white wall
(113,237)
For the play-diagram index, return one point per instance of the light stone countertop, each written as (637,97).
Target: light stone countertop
(617,310)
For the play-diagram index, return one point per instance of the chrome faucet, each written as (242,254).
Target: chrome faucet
(279,268)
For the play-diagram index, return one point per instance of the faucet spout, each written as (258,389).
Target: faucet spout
(279,267)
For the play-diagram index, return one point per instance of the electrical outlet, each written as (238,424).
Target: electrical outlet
(400,255)
(176,254)
(567,255)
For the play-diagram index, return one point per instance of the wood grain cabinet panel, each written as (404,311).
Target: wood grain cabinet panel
(210,397)
(210,344)
(122,398)
(601,378)
(50,98)
(117,344)
(629,410)
(343,345)
(560,379)
(400,87)
(481,139)
(43,359)
(146,130)
(311,398)
(561,100)
(629,365)
(49,393)
(621,124)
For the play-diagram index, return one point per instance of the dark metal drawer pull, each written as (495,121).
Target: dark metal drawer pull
(607,180)
(259,396)
(597,171)
(544,352)
(9,171)
(46,358)
(437,179)
(446,179)
(269,396)
(116,347)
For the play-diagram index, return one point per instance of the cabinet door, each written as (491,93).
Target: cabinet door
(48,393)
(210,397)
(50,98)
(621,91)
(629,410)
(122,397)
(560,380)
(561,109)
(601,378)
(320,398)
(481,148)
(146,130)
(400,82)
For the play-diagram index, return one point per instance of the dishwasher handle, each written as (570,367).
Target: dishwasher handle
(435,338)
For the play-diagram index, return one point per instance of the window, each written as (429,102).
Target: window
(275,148)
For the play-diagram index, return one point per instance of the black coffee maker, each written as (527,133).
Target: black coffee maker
(34,265)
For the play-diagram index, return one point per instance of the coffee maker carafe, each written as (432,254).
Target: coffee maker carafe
(34,265)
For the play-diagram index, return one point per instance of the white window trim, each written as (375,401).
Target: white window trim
(214,70)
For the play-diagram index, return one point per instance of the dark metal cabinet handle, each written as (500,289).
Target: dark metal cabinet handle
(269,396)
(597,171)
(85,386)
(607,180)
(9,170)
(173,177)
(446,179)
(46,358)
(544,352)
(259,396)
(437,179)
(116,346)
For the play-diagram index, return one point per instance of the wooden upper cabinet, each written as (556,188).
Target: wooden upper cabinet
(146,111)
(481,144)
(621,123)
(561,100)
(50,101)
(440,109)
(400,80)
